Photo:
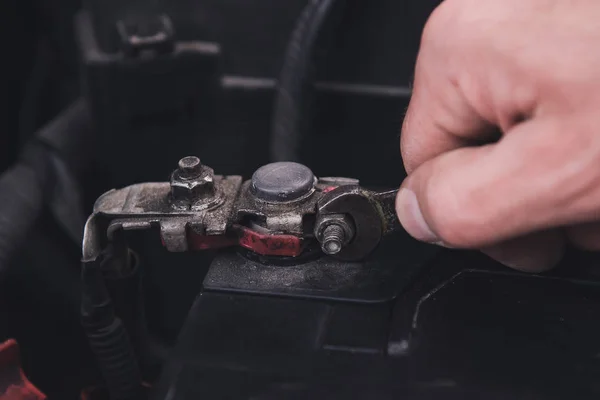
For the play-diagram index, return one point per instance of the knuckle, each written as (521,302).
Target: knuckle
(431,29)
(439,23)
(454,26)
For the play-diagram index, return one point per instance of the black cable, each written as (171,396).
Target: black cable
(21,201)
(293,97)
(71,136)
(108,337)
(126,290)
(70,139)
(34,181)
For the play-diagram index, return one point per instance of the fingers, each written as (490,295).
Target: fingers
(451,104)
(439,117)
(540,176)
(480,196)
(536,253)
(585,236)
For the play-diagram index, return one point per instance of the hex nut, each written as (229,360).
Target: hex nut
(188,190)
(341,220)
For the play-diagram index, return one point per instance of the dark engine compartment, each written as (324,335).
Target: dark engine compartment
(442,324)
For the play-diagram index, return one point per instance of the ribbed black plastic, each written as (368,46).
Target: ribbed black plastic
(107,337)
(127,294)
(115,355)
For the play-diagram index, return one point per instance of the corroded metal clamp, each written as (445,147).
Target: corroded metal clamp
(280,212)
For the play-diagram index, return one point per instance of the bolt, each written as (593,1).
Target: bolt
(333,239)
(191,182)
(334,231)
(190,167)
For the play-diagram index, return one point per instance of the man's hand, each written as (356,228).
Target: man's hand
(530,68)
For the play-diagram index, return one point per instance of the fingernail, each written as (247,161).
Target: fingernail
(411,217)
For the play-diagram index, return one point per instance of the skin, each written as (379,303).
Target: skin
(501,139)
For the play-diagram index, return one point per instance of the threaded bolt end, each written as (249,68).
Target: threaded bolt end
(333,239)
(190,167)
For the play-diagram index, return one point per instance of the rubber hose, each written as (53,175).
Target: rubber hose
(21,202)
(71,135)
(295,82)
(28,186)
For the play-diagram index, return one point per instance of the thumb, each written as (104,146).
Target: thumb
(538,176)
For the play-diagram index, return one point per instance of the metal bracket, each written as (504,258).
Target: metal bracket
(230,215)
(148,205)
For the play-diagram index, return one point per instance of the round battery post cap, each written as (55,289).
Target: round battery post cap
(282,181)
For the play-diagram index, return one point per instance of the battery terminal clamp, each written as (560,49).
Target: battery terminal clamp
(283,214)
(282,211)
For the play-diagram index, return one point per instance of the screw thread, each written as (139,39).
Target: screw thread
(333,239)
